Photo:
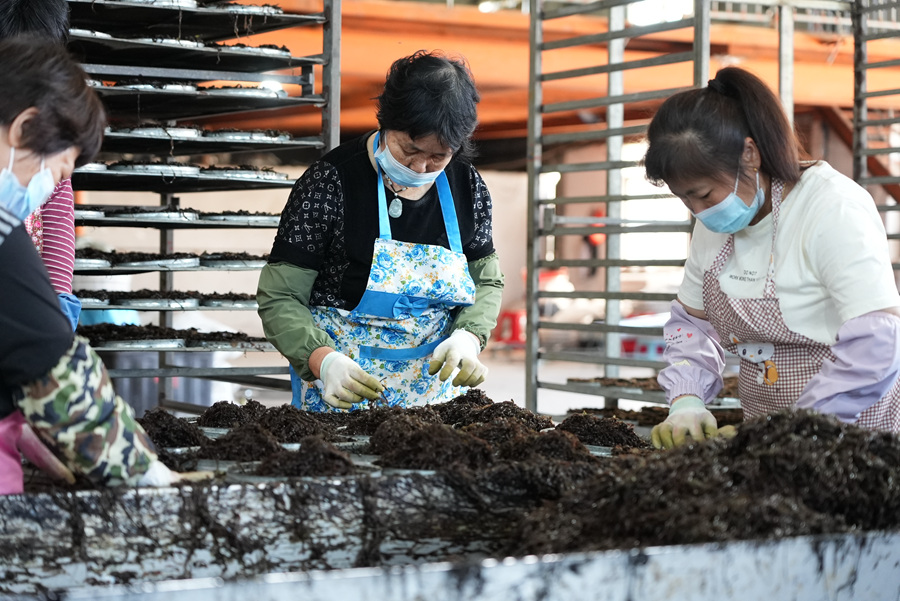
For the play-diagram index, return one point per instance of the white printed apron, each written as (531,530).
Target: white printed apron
(777,382)
(404,313)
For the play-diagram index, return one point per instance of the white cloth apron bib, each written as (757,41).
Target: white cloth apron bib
(404,313)
(793,359)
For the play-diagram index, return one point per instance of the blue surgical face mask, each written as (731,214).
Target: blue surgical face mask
(21,200)
(401,174)
(732,214)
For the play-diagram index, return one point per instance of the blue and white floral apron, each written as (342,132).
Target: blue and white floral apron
(403,315)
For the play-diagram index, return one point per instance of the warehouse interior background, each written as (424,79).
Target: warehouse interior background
(494,37)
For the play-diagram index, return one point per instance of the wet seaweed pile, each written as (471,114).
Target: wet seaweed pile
(437,446)
(168,431)
(508,410)
(365,423)
(316,457)
(455,411)
(499,431)
(602,431)
(226,414)
(289,424)
(786,474)
(248,442)
(557,445)
(393,431)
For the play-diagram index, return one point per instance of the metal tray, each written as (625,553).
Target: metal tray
(162,263)
(168,3)
(599,451)
(161,132)
(242,473)
(244,174)
(230,304)
(243,345)
(149,87)
(245,92)
(256,10)
(91,263)
(214,433)
(92,167)
(87,33)
(157,169)
(156,216)
(142,345)
(243,136)
(177,42)
(80,214)
(159,303)
(271,220)
(233,263)
(255,51)
(92,303)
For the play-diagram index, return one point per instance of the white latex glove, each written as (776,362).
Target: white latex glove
(160,475)
(346,382)
(687,416)
(459,350)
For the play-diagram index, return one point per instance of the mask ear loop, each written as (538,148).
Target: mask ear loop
(12,155)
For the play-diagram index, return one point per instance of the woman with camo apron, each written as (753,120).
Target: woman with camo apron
(57,403)
(383,280)
(789,269)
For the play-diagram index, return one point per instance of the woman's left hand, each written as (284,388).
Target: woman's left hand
(460,350)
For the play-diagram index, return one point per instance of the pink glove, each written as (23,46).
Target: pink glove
(17,436)
(11,476)
(37,453)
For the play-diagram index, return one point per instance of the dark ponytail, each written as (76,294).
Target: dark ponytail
(701,132)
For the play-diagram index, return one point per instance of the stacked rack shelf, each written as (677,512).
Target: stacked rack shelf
(161,63)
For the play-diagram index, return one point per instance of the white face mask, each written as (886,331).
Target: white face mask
(401,174)
(21,200)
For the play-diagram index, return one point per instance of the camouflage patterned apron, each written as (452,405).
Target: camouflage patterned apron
(76,411)
(775,383)
(404,314)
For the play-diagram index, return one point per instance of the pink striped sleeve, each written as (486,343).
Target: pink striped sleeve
(58,215)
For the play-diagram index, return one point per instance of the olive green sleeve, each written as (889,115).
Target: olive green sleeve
(481,318)
(283,298)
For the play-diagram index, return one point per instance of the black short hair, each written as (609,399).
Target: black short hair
(40,73)
(701,132)
(430,93)
(42,18)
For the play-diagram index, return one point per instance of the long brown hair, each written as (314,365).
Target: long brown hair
(700,133)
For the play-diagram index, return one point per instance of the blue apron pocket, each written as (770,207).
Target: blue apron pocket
(399,354)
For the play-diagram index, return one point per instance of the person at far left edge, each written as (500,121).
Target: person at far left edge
(383,280)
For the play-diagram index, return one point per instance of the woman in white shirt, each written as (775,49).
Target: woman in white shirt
(789,268)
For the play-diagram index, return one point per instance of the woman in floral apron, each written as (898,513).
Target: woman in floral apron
(789,269)
(383,280)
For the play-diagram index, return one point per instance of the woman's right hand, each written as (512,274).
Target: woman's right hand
(346,383)
(687,416)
